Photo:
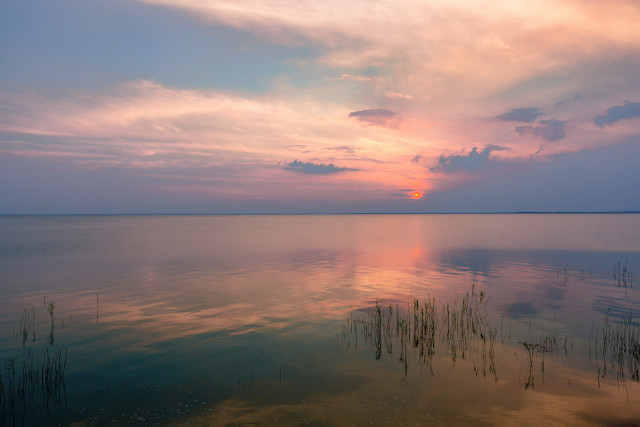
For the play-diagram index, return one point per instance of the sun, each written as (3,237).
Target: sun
(416,195)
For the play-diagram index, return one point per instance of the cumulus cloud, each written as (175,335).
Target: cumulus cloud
(520,115)
(473,161)
(315,168)
(378,116)
(416,158)
(549,130)
(628,110)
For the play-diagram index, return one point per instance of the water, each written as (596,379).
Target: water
(274,319)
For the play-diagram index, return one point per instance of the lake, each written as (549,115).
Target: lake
(320,319)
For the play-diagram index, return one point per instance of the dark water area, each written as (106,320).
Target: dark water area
(320,319)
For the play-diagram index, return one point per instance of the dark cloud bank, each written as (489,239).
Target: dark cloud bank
(378,116)
(473,161)
(628,110)
(550,130)
(604,179)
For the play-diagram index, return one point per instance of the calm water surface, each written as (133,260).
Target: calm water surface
(288,320)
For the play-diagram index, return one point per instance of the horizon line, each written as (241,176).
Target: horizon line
(326,213)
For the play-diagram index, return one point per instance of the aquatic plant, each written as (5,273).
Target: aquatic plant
(53,324)
(458,330)
(462,330)
(616,346)
(27,378)
(622,275)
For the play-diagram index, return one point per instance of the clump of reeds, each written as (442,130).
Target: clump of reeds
(622,275)
(26,378)
(616,346)
(564,273)
(53,324)
(459,330)
(462,330)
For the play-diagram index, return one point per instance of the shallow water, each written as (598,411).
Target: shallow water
(274,319)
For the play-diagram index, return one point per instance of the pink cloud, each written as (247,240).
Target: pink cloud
(143,125)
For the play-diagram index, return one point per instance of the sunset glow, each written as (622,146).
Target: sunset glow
(297,107)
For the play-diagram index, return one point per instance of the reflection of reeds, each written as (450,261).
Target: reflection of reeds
(459,330)
(27,329)
(549,342)
(531,348)
(26,379)
(617,347)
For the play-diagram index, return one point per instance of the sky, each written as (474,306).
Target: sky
(231,106)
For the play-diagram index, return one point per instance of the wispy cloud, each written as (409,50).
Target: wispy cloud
(628,110)
(359,78)
(472,161)
(316,168)
(550,130)
(343,148)
(390,35)
(137,119)
(392,94)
